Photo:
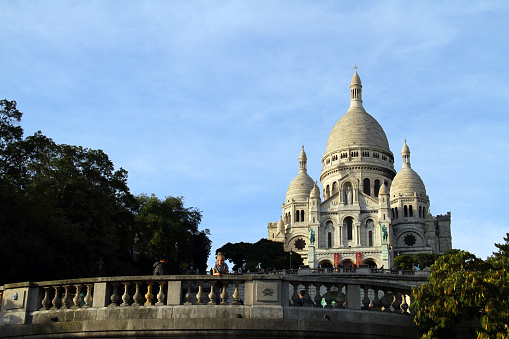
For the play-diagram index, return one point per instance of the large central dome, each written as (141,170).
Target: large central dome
(357,128)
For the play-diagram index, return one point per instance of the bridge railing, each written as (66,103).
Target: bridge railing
(25,300)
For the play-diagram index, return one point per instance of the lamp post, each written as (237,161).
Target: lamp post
(290,259)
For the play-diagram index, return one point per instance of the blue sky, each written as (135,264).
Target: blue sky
(212,100)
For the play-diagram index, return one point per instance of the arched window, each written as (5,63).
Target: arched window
(349,228)
(424,212)
(420,212)
(411,211)
(297,216)
(377,187)
(329,240)
(302,215)
(396,211)
(366,186)
(334,187)
(405,211)
(327,191)
(370,238)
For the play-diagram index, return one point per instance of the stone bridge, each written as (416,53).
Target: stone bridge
(349,303)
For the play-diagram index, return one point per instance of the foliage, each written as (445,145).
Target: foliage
(403,261)
(503,249)
(421,260)
(166,227)
(264,254)
(66,212)
(464,287)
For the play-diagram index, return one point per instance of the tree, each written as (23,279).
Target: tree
(264,254)
(166,227)
(503,249)
(66,212)
(403,261)
(464,287)
(421,260)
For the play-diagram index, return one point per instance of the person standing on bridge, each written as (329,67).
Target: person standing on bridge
(161,267)
(220,268)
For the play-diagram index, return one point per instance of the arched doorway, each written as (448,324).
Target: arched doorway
(325,264)
(370,262)
(347,263)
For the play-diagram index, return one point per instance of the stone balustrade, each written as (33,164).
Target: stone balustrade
(257,296)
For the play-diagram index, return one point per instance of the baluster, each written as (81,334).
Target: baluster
(377,303)
(404,305)
(46,302)
(411,300)
(57,302)
(67,301)
(396,303)
(77,297)
(328,296)
(236,294)
(307,296)
(200,295)
(387,300)
(88,298)
(212,294)
(340,299)
(115,298)
(160,295)
(295,296)
(126,297)
(365,300)
(224,295)
(137,295)
(188,293)
(318,296)
(149,296)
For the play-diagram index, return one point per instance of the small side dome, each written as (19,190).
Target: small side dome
(300,187)
(383,190)
(407,182)
(302,184)
(315,192)
(280,225)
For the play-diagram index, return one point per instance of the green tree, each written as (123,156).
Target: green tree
(464,287)
(503,249)
(66,212)
(265,254)
(166,227)
(403,261)
(421,260)
(62,207)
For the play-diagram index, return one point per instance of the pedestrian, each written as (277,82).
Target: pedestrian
(161,267)
(220,269)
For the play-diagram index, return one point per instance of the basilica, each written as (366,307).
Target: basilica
(365,213)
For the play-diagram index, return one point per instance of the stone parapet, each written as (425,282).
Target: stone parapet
(191,305)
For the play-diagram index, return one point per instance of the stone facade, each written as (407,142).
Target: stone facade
(369,213)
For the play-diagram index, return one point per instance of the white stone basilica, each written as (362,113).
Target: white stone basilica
(369,213)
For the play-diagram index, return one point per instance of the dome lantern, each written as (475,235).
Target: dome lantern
(405,155)
(355,90)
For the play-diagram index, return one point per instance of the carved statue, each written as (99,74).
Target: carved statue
(348,196)
(385,235)
(311,236)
